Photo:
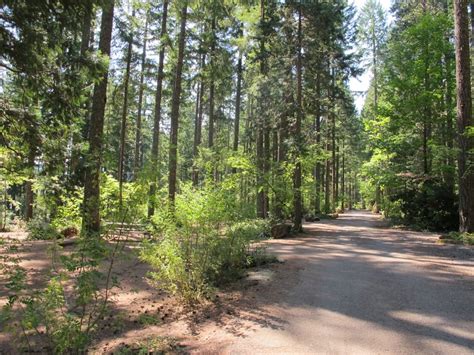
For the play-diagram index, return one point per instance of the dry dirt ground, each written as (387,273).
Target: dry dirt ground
(350,285)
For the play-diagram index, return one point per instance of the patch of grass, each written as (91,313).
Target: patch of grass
(458,238)
(41,230)
(148,319)
(152,345)
(260,257)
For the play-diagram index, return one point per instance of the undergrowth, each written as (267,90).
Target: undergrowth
(202,244)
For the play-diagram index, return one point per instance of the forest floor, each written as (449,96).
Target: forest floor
(350,285)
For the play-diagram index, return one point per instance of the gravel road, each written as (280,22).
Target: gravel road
(364,288)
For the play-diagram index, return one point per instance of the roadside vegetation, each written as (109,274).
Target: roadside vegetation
(183,134)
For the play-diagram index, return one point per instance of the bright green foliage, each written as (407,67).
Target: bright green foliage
(466,238)
(201,244)
(69,214)
(47,309)
(41,230)
(425,203)
(410,137)
(68,309)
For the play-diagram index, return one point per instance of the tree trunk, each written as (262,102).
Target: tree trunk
(317,172)
(350,191)
(376,97)
(76,170)
(260,135)
(198,123)
(29,195)
(138,130)
(464,117)
(237,104)
(336,176)
(327,187)
(91,220)
(157,117)
(123,126)
(266,166)
(343,182)
(449,175)
(333,160)
(298,208)
(173,150)
(212,85)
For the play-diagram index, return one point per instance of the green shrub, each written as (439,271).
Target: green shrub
(59,317)
(69,213)
(201,245)
(392,210)
(41,230)
(428,203)
(465,238)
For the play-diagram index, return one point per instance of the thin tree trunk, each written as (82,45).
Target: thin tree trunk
(212,85)
(464,117)
(376,97)
(238,94)
(266,166)
(260,135)
(173,150)
(76,170)
(317,173)
(336,178)
(29,194)
(327,203)
(333,160)
(350,191)
(343,191)
(91,220)
(157,117)
(198,123)
(138,129)
(298,208)
(123,127)
(449,175)
(427,116)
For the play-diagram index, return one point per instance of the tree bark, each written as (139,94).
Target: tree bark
(260,134)
(76,170)
(238,98)
(464,117)
(157,117)
(212,85)
(138,130)
(333,147)
(317,173)
(91,220)
(327,187)
(198,123)
(449,175)
(29,194)
(175,105)
(343,182)
(376,97)
(298,208)
(123,126)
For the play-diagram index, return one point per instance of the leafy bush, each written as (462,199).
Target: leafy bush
(428,203)
(134,195)
(201,244)
(69,213)
(41,230)
(62,315)
(465,238)
(234,251)
(392,209)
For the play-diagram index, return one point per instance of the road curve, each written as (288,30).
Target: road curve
(363,288)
